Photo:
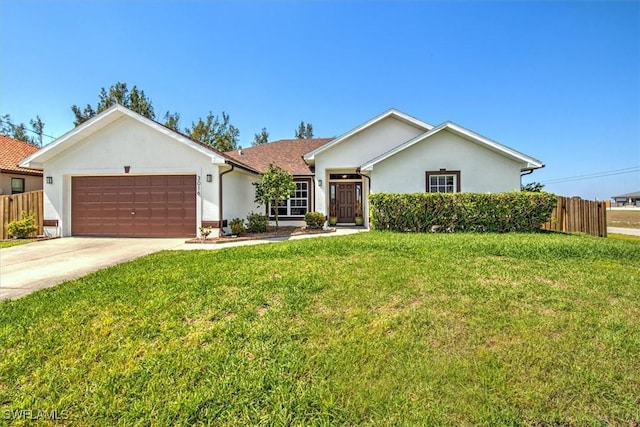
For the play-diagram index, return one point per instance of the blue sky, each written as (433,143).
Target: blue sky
(557,81)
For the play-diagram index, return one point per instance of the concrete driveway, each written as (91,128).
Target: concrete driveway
(27,268)
(619,230)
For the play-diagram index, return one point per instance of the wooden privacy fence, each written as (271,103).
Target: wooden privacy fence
(11,208)
(577,215)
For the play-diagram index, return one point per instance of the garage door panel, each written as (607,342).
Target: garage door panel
(164,206)
(142,198)
(142,181)
(125,197)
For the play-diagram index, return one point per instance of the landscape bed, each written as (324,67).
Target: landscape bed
(272,232)
(370,329)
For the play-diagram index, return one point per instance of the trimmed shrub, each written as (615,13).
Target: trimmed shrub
(314,219)
(237,226)
(22,228)
(449,212)
(257,223)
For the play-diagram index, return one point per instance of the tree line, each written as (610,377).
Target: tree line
(213,130)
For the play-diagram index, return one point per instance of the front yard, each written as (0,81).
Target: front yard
(373,329)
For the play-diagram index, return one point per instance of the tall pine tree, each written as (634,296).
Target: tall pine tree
(261,138)
(119,93)
(304,131)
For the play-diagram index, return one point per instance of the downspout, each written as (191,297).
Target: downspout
(368,179)
(220,194)
(529,172)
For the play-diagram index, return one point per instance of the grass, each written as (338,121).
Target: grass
(623,218)
(626,237)
(15,242)
(371,329)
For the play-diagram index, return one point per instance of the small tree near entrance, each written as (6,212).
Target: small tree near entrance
(275,187)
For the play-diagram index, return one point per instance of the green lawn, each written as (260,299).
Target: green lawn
(627,237)
(14,242)
(371,329)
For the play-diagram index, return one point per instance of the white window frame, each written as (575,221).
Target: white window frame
(440,187)
(287,203)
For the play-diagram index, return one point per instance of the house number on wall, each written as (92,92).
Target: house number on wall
(198,184)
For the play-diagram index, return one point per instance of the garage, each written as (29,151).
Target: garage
(134,206)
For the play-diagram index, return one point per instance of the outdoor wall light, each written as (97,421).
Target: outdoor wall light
(319,183)
(49,180)
(209,177)
(127,169)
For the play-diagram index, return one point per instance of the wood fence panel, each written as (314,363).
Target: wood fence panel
(11,208)
(576,215)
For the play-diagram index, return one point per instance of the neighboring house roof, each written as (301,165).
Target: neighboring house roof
(109,116)
(633,195)
(389,113)
(529,162)
(11,152)
(286,153)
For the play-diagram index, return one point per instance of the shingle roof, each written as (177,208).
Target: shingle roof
(11,152)
(286,153)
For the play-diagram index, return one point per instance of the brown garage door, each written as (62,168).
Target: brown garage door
(134,206)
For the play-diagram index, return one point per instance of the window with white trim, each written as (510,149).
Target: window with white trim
(297,204)
(443,181)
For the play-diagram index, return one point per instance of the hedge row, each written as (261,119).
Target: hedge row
(446,212)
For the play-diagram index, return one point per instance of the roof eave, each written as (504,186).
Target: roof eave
(390,112)
(530,162)
(34,172)
(241,166)
(110,115)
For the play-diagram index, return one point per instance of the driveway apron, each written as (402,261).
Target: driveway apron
(27,268)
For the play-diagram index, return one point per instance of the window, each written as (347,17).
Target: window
(337,176)
(297,204)
(443,181)
(17,185)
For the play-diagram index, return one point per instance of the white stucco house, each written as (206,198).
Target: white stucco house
(121,174)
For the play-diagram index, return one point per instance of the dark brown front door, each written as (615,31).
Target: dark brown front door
(134,206)
(346,202)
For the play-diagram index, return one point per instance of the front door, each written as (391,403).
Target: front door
(346,202)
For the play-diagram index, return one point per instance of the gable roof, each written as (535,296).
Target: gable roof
(627,195)
(286,153)
(11,152)
(109,116)
(392,112)
(530,162)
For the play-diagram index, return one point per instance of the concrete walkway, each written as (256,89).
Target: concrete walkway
(26,268)
(620,230)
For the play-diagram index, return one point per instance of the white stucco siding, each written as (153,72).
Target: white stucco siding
(126,142)
(481,170)
(358,149)
(238,195)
